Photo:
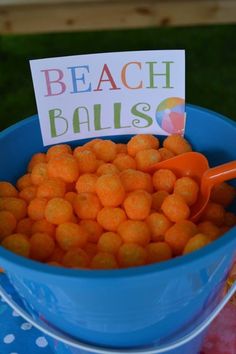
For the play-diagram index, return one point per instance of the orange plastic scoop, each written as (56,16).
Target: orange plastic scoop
(195,165)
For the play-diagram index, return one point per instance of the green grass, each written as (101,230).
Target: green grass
(210,62)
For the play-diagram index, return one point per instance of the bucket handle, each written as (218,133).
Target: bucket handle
(56,334)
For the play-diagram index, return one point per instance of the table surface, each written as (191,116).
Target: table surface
(19,337)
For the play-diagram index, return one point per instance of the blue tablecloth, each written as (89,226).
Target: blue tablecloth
(17,336)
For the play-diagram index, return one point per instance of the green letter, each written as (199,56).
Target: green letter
(53,115)
(117,124)
(97,117)
(76,119)
(166,74)
(145,107)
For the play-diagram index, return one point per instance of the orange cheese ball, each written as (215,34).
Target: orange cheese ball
(142,142)
(86,183)
(58,150)
(177,144)
(110,190)
(81,148)
(35,159)
(65,167)
(209,229)
(230,219)
(58,211)
(134,231)
(24,182)
(70,197)
(70,235)
(124,161)
(109,242)
(76,258)
(137,205)
(24,226)
(179,234)
(28,193)
(51,188)
(223,194)
(100,163)
(175,208)
(39,173)
(158,252)
(105,150)
(158,198)
(7,190)
(164,180)
(16,206)
(188,189)
(93,228)
(104,260)
(43,226)
(165,154)
(146,158)
(91,249)
(133,180)
(87,161)
(90,144)
(131,255)
(107,168)
(110,218)
(214,212)
(87,206)
(36,208)
(57,255)
(18,244)
(121,148)
(41,246)
(196,242)
(158,224)
(7,223)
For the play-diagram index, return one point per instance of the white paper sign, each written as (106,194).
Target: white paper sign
(85,96)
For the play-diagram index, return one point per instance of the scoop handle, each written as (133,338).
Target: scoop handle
(217,175)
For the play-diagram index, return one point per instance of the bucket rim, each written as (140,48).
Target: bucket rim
(182,261)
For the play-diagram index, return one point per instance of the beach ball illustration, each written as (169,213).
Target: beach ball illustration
(170,115)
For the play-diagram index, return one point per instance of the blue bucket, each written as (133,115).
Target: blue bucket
(134,310)
(190,343)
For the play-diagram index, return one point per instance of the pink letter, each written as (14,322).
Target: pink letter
(56,80)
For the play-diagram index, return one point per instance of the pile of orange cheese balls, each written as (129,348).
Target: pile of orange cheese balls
(96,207)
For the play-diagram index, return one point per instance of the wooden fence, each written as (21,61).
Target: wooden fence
(38,16)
